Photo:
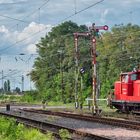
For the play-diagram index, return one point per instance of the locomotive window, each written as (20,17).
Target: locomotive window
(125,78)
(134,77)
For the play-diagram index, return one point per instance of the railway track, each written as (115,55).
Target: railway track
(131,117)
(109,121)
(54,128)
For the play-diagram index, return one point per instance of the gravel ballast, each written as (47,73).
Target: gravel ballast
(113,132)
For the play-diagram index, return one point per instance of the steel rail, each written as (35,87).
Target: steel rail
(39,128)
(44,126)
(97,119)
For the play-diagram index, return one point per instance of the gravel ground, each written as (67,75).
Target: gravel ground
(114,132)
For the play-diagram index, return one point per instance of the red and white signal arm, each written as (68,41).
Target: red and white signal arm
(105,27)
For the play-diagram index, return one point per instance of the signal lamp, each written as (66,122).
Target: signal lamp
(105,27)
(94,40)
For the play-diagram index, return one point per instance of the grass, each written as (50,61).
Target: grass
(52,103)
(27,98)
(9,130)
(106,111)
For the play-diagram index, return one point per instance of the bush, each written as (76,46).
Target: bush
(9,130)
(64,134)
(30,97)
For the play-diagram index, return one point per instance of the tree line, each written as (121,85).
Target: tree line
(54,68)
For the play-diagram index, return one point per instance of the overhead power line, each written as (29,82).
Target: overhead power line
(78,12)
(14,18)
(92,5)
(32,13)
(4,49)
(41,6)
(11,3)
(75,6)
(12,73)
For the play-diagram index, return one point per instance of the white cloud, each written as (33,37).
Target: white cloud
(103,15)
(27,37)
(6,1)
(11,1)
(30,30)
(31,48)
(3,29)
(88,23)
(130,1)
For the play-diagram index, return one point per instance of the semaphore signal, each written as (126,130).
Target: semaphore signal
(92,34)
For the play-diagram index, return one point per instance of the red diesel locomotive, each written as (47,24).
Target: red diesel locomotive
(126,95)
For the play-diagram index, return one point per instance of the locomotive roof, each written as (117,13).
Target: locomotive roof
(132,72)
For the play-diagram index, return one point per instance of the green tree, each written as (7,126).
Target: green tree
(118,52)
(8,85)
(17,89)
(54,69)
(5,86)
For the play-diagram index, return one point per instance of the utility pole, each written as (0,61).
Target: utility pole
(22,83)
(2,80)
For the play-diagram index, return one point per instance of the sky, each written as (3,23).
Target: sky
(24,22)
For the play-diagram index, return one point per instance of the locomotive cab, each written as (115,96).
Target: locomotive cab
(127,91)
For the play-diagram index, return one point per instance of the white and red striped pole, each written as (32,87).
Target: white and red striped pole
(76,37)
(94,77)
(76,70)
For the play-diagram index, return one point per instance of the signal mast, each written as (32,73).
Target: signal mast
(92,33)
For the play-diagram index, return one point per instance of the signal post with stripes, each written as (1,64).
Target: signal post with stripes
(93,30)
